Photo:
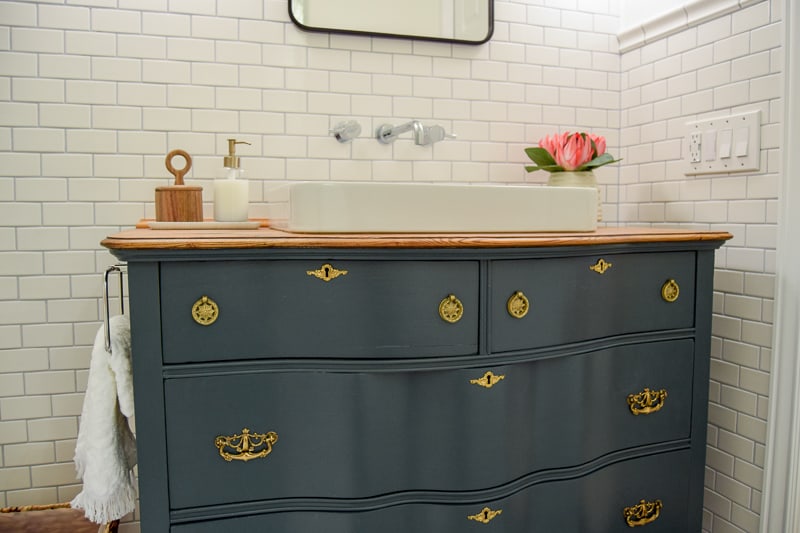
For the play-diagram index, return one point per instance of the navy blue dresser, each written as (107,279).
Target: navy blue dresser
(510,383)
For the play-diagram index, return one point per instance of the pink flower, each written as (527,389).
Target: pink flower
(569,151)
(553,144)
(600,143)
(576,151)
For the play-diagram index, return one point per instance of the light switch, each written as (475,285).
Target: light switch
(710,145)
(741,136)
(723,144)
(725,139)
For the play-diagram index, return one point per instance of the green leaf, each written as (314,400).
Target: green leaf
(604,159)
(543,159)
(540,156)
(549,168)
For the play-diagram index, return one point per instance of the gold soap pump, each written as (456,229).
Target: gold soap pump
(231,194)
(232,162)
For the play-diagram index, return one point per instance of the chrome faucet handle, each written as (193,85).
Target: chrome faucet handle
(434,134)
(385,134)
(345,132)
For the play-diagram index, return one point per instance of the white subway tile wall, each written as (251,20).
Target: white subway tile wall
(93,93)
(723,66)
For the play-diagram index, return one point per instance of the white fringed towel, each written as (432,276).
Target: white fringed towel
(105,453)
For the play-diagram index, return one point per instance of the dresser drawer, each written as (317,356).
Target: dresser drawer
(546,302)
(595,503)
(375,309)
(354,434)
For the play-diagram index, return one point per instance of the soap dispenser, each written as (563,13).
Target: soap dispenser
(231,193)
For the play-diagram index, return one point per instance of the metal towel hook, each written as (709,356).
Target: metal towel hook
(120,269)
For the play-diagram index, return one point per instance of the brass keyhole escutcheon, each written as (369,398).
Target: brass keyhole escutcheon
(326,272)
(451,309)
(205,311)
(601,266)
(485,516)
(670,291)
(488,380)
(518,305)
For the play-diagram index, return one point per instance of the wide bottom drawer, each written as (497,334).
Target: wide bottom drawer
(650,491)
(360,434)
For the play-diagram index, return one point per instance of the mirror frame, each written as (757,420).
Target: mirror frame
(319,29)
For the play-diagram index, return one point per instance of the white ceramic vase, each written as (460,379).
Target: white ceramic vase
(584,178)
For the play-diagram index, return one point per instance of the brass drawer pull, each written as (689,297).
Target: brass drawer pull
(601,266)
(451,309)
(643,513)
(646,402)
(485,516)
(488,380)
(205,311)
(518,305)
(245,446)
(670,291)
(326,272)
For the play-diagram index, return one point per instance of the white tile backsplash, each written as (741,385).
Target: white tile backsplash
(64,17)
(116,20)
(89,43)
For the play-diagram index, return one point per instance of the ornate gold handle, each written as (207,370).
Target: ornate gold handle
(326,272)
(601,266)
(485,516)
(518,305)
(642,513)
(670,291)
(245,446)
(451,309)
(646,402)
(205,311)
(488,380)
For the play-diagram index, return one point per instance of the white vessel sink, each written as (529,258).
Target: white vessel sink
(356,207)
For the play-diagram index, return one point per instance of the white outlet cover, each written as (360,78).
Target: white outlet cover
(713,159)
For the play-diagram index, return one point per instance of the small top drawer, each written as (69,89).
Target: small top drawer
(546,302)
(227,310)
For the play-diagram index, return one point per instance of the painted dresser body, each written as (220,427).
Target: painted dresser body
(441,384)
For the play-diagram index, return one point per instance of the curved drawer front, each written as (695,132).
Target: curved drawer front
(347,435)
(580,298)
(256,309)
(655,488)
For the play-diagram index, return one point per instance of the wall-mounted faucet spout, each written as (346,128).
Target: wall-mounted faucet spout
(423,135)
(387,133)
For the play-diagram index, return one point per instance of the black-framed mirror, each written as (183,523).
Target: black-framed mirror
(460,21)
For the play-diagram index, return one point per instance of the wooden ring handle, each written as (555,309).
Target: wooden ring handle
(178,173)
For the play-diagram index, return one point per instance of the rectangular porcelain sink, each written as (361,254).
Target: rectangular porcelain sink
(372,207)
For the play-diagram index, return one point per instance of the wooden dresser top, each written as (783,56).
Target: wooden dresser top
(265,237)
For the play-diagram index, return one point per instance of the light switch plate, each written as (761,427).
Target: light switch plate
(728,135)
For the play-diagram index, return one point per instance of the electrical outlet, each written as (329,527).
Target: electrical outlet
(724,144)
(695,145)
